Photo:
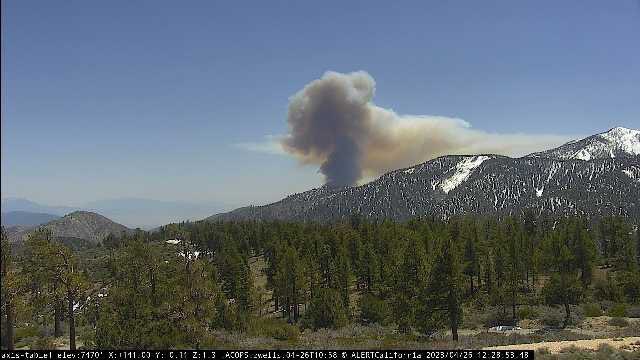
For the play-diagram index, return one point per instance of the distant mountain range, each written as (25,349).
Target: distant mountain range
(25,218)
(595,176)
(18,204)
(133,212)
(77,226)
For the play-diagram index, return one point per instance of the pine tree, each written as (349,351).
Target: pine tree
(40,262)
(499,260)
(75,284)
(327,310)
(563,287)
(441,300)
(198,308)
(340,269)
(584,250)
(289,280)
(412,275)
(469,239)
(514,268)
(12,286)
(142,299)
(53,263)
(369,267)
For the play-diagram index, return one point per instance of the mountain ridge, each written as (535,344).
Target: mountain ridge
(83,225)
(616,142)
(487,183)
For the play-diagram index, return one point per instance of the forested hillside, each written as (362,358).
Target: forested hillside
(189,284)
(457,185)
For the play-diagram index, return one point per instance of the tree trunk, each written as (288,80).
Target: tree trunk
(275,303)
(152,279)
(567,311)
(471,284)
(454,328)
(295,309)
(57,319)
(452,308)
(9,325)
(533,279)
(513,303)
(72,321)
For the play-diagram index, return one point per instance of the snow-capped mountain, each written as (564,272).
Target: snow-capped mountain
(617,142)
(553,182)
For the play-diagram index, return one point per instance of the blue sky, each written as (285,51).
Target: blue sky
(147,98)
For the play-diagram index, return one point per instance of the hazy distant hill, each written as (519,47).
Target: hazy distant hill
(133,212)
(554,182)
(25,218)
(18,204)
(83,225)
(147,213)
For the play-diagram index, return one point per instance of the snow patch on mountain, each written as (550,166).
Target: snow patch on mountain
(583,154)
(463,170)
(627,140)
(614,143)
(633,172)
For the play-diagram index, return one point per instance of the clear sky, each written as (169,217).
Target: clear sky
(106,99)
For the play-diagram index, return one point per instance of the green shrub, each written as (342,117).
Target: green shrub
(592,310)
(230,316)
(374,310)
(26,332)
(542,351)
(607,289)
(43,343)
(473,318)
(498,317)
(326,310)
(572,349)
(618,310)
(527,312)
(88,341)
(552,317)
(618,321)
(633,311)
(629,284)
(273,328)
(212,342)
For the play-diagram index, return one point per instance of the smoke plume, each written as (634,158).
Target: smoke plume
(333,123)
